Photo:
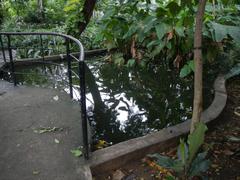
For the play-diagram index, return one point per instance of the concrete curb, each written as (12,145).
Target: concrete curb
(56,58)
(117,155)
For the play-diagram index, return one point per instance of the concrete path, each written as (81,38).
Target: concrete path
(27,154)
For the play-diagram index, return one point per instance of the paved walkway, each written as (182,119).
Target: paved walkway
(28,154)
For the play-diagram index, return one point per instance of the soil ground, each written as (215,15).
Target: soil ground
(222,141)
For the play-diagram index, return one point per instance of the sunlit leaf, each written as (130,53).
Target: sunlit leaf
(196,139)
(182,151)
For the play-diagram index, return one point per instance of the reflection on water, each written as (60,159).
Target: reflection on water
(132,103)
(122,103)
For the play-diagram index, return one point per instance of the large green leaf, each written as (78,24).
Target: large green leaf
(168,162)
(196,139)
(180,31)
(199,165)
(132,30)
(161,30)
(187,69)
(149,23)
(163,161)
(221,32)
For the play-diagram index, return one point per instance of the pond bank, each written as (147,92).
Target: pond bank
(117,155)
(222,140)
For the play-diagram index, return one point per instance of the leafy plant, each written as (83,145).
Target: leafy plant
(189,163)
(187,69)
(74,10)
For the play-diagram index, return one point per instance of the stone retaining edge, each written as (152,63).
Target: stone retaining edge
(59,57)
(117,155)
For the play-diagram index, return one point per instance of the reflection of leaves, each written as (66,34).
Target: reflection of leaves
(137,85)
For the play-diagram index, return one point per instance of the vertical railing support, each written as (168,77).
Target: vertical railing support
(81,71)
(11,60)
(69,62)
(42,49)
(2,47)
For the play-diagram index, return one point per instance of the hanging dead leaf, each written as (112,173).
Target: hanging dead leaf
(170,35)
(177,61)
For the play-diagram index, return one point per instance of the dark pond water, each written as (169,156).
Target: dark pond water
(124,103)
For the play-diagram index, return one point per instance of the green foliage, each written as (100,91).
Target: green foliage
(196,139)
(187,69)
(145,31)
(156,31)
(164,30)
(74,10)
(189,163)
(220,32)
(131,62)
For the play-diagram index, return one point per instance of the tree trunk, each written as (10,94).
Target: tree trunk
(87,12)
(1,12)
(41,8)
(197,102)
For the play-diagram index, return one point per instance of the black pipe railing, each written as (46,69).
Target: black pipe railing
(69,57)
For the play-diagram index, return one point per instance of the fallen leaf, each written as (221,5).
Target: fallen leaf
(214,166)
(47,129)
(233,139)
(56,141)
(118,175)
(35,172)
(56,98)
(237,111)
(76,152)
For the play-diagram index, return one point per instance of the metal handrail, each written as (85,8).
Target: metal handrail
(81,71)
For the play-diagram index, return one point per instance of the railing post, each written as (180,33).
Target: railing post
(11,60)
(42,49)
(69,61)
(81,66)
(2,47)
